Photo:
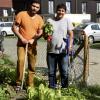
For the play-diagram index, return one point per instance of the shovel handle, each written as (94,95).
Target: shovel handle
(26,49)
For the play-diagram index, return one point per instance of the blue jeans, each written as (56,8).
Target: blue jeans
(60,60)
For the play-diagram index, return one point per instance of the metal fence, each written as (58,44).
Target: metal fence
(80,61)
(76,67)
(41,54)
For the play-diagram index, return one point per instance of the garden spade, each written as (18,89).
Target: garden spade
(26,49)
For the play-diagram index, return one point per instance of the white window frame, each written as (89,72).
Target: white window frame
(98,7)
(68,6)
(84,7)
(50,7)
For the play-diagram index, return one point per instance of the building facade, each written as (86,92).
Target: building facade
(8,7)
(5,7)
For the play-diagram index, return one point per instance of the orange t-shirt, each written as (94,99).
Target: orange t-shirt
(28,26)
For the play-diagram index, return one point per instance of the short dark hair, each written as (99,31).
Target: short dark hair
(61,6)
(30,2)
(34,1)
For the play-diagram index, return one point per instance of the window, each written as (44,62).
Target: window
(98,7)
(5,13)
(68,7)
(98,11)
(8,24)
(51,7)
(1,25)
(84,7)
(95,27)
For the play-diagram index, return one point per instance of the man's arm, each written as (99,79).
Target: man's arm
(36,36)
(15,29)
(39,33)
(71,39)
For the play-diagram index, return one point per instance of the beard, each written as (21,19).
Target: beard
(33,12)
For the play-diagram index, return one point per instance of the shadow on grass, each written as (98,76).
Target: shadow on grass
(94,89)
(95,46)
(42,72)
(91,92)
(42,69)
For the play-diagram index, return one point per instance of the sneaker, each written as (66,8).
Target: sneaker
(17,88)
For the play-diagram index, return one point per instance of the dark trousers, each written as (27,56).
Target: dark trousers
(60,60)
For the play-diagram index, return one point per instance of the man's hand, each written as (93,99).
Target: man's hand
(49,38)
(24,41)
(31,41)
(39,33)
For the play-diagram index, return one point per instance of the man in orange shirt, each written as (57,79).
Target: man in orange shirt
(28,28)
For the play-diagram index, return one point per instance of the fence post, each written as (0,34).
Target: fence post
(86,58)
(1,44)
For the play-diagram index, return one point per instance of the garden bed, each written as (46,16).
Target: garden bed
(41,90)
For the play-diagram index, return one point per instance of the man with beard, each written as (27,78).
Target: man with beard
(28,28)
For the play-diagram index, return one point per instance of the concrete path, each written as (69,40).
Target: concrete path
(94,66)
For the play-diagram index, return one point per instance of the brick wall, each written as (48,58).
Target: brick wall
(5,3)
